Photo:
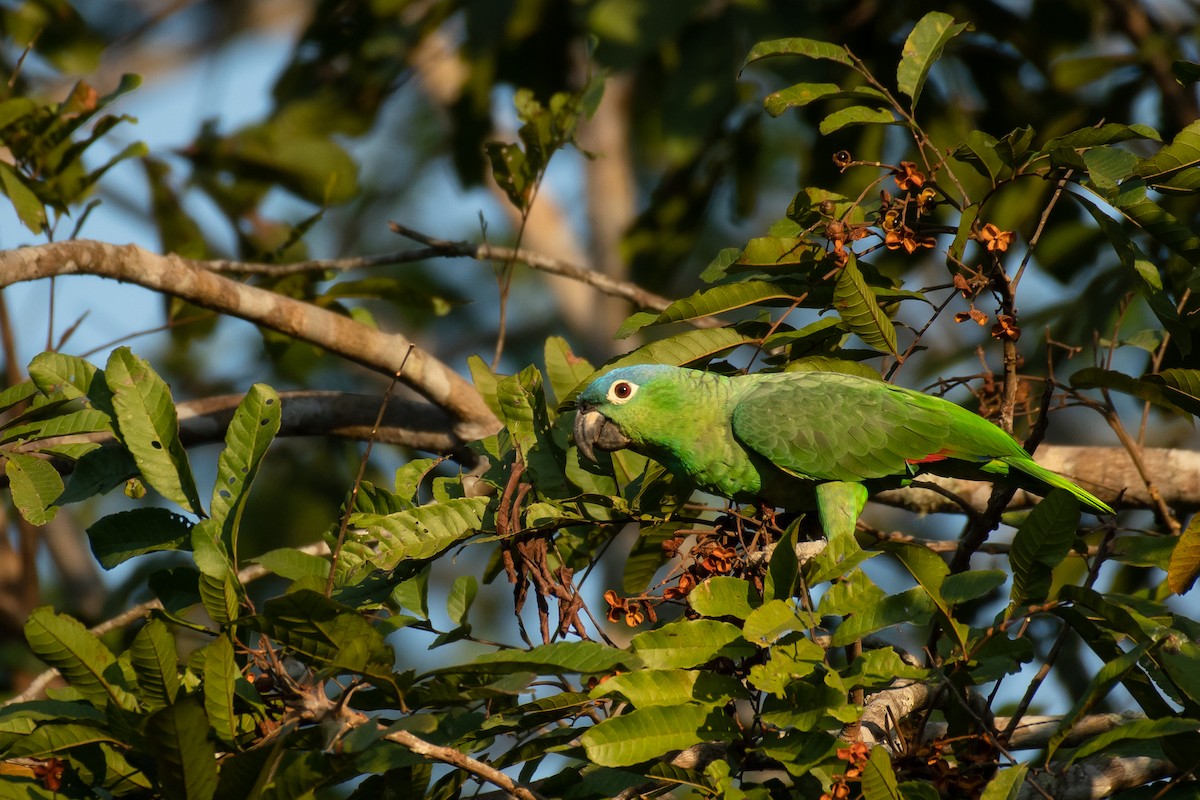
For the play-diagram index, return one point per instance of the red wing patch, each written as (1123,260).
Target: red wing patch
(940,455)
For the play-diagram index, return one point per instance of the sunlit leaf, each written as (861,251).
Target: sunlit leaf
(922,48)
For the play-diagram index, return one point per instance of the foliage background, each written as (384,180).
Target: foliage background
(383,112)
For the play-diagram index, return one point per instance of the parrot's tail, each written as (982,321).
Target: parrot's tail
(1053,479)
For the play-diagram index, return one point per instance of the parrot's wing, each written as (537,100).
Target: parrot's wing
(826,426)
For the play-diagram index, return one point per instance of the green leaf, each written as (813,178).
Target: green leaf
(790,660)
(979,149)
(325,633)
(913,607)
(421,532)
(921,49)
(293,564)
(858,307)
(251,431)
(718,299)
(1096,378)
(802,94)
(155,664)
(1180,387)
(150,428)
(784,567)
(672,687)
(1137,729)
(185,756)
(967,586)
(1006,785)
(648,733)
(98,472)
(1041,544)
(1143,273)
(1182,153)
(564,370)
(462,595)
(119,537)
(878,777)
(1097,690)
(85,663)
(35,484)
(809,48)
(773,620)
(1109,133)
(220,675)
(723,596)
(29,208)
(681,349)
(1184,565)
(585,658)
(46,741)
(769,252)
(689,643)
(855,115)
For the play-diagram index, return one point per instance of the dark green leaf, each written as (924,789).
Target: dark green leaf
(85,663)
(855,115)
(220,675)
(858,307)
(150,428)
(35,485)
(155,664)
(1181,387)
(809,48)
(119,537)
(185,756)
(1041,544)
(921,49)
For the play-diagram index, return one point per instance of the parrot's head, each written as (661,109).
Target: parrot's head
(626,406)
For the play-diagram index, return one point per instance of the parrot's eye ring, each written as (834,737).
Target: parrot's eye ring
(621,391)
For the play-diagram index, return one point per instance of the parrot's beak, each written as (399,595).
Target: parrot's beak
(594,430)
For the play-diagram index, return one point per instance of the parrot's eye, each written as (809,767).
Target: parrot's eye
(621,391)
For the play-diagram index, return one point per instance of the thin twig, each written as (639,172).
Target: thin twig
(362,469)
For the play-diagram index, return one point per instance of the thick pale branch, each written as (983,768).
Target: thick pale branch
(1104,471)
(188,280)
(1094,778)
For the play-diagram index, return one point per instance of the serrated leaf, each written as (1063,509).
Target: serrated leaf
(858,307)
(1041,544)
(421,532)
(796,46)
(723,596)
(671,687)
(149,427)
(251,431)
(648,733)
(220,675)
(689,643)
(155,664)
(1184,565)
(35,484)
(85,663)
(119,537)
(185,756)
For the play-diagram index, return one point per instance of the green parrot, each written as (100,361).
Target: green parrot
(799,440)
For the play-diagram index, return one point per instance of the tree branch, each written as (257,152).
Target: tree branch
(189,280)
